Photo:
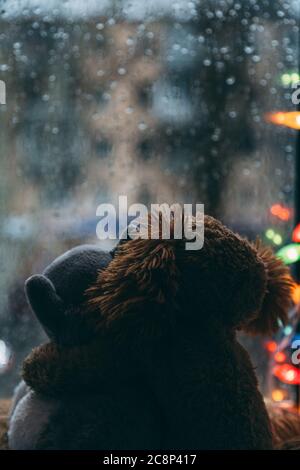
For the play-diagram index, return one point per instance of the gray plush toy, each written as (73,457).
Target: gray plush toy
(70,397)
(56,298)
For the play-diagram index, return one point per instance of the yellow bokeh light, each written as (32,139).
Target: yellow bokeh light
(278,395)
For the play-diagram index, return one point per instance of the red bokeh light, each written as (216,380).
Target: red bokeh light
(271,346)
(281,212)
(280,357)
(296,234)
(287,373)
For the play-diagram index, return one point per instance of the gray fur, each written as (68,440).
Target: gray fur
(28,421)
(20,391)
(56,298)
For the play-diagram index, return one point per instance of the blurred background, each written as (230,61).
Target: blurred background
(160,100)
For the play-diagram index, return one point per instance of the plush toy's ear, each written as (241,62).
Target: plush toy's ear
(278,295)
(140,280)
(45,303)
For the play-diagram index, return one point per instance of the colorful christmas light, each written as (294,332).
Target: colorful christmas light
(275,237)
(281,212)
(290,78)
(277,240)
(288,329)
(280,357)
(271,346)
(287,373)
(296,294)
(270,234)
(278,394)
(290,119)
(290,253)
(296,234)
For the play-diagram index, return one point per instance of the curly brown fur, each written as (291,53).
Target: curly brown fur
(102,401)
(240,284)
(285,425)
(278,296)
(150,281)
(53,370)
(291,444)
(202,298)
(3,436)
(4,411)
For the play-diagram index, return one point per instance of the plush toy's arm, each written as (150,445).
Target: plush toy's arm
(87,422)
(20,391)
(103,420)
(28,421)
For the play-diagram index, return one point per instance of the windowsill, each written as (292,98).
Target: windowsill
(4,410)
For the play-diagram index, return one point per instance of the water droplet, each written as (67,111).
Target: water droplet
(106,96)
(230,80)
(256,58)
(142,126)
(248,50)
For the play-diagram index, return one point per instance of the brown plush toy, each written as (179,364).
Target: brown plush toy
(165,321)
(179,311)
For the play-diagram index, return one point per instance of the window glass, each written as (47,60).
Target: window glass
(159,100)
